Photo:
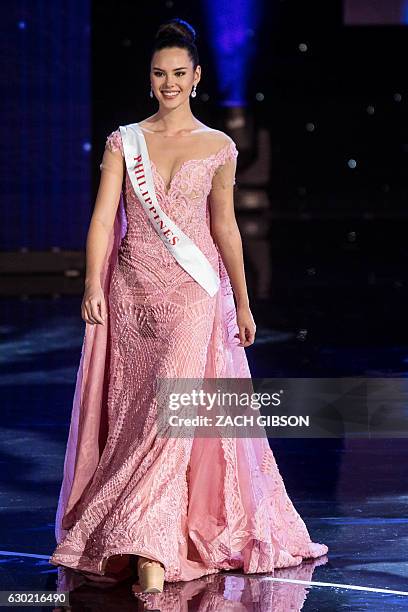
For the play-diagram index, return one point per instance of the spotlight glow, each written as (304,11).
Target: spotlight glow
(232,34)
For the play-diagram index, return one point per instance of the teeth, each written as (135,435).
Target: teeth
(170,93)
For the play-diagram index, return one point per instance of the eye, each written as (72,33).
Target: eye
(158,73)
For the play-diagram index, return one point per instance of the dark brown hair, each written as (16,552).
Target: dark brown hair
(177,33)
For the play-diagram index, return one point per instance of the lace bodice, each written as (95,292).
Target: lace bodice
(186,202)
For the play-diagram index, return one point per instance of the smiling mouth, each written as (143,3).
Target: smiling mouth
(170,94)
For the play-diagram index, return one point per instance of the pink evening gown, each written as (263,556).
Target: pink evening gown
(197,505)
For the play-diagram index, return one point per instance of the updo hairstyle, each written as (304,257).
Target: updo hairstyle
(177,33)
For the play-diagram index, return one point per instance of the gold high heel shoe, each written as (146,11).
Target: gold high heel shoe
(151,575)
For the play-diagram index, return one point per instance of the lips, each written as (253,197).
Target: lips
(170,94)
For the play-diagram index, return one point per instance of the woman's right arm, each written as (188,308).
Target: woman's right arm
(93,308)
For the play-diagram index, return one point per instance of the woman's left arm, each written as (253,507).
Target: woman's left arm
(226,235)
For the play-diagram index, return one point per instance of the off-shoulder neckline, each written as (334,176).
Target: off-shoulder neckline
(230,144)
(168,189)
(188,161)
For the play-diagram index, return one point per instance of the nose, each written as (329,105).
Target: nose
(169,82)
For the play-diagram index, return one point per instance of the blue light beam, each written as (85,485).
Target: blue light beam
(232,27)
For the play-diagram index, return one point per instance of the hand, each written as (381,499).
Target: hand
(93,307)
(246,326)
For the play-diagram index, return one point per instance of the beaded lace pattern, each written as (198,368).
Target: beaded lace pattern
(196,505)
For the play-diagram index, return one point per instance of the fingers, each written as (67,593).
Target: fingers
(251,336)
(246,336)
(94,311)
(87,316)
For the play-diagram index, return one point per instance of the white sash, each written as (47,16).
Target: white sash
(187,254)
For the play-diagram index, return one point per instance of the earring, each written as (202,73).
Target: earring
(151,92)
(194,93)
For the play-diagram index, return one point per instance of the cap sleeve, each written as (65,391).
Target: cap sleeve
(111,160)
(114,142)
(225,165)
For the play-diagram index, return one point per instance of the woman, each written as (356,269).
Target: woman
(159,308)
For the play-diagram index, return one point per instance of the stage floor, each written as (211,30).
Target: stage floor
(352,494)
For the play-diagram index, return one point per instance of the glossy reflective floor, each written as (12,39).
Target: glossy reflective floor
(352,494)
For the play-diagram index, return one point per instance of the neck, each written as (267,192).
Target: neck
(173,121)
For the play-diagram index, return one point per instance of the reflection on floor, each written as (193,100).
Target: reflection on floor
(352,494)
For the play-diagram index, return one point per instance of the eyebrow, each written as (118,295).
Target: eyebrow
(174,69)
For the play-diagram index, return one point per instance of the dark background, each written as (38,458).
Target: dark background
(324,242)
(321,191)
